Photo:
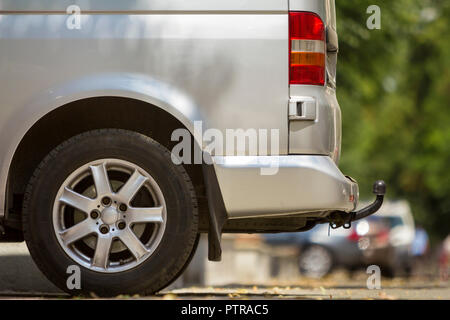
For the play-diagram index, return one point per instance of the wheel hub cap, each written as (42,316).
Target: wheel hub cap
(110,215)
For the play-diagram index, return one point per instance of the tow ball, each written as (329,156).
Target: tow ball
(344,219)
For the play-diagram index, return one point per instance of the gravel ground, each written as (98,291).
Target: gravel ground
(20,279)
(337,286)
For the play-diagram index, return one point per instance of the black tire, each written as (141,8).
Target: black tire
(180,233)
(389,271)
(188,261)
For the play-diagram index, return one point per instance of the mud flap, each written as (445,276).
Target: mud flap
(217,212)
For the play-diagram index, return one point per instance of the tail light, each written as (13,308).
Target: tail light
(306,48)
(353,236)
(382,238)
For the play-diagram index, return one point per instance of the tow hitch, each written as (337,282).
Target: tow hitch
(344,219)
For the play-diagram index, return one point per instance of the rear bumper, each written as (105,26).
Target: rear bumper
(257,186)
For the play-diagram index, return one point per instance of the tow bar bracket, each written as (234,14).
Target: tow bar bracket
(344,219)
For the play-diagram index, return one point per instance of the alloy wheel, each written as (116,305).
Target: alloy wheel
(109,215)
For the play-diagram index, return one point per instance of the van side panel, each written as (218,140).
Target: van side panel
(228,60)
(122,6)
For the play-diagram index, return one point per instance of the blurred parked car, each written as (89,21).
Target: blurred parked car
(444,254)
(383,239)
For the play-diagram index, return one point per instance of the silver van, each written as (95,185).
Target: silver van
(127,128)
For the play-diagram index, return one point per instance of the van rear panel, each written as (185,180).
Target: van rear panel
(314,113)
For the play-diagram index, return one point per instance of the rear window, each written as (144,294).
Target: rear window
(392,221)
(395,221)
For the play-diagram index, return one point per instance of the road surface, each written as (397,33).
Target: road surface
(20,278)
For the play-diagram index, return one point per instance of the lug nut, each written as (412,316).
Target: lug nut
(94,214)
(104,229)
(106,201)
(122,225)
(123,207)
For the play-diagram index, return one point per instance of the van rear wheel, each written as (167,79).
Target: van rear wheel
(112,203)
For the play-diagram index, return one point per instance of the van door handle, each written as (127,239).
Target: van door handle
(302,109)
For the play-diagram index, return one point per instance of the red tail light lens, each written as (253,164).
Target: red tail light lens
(306,48)
(382,238)
(353,236)
(306,26)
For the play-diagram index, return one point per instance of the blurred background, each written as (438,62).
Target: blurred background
(394,92)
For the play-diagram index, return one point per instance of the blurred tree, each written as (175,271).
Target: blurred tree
(394,91)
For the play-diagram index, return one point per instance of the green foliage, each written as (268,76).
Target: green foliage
(394,92)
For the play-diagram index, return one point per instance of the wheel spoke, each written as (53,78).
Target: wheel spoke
(142,215)
(102,250)
(109,215)
(101,179)
(77,200)
(77,232)
(133,243)
(132,186)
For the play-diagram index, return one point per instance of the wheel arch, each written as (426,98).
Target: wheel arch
(93,112)
(21,118)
